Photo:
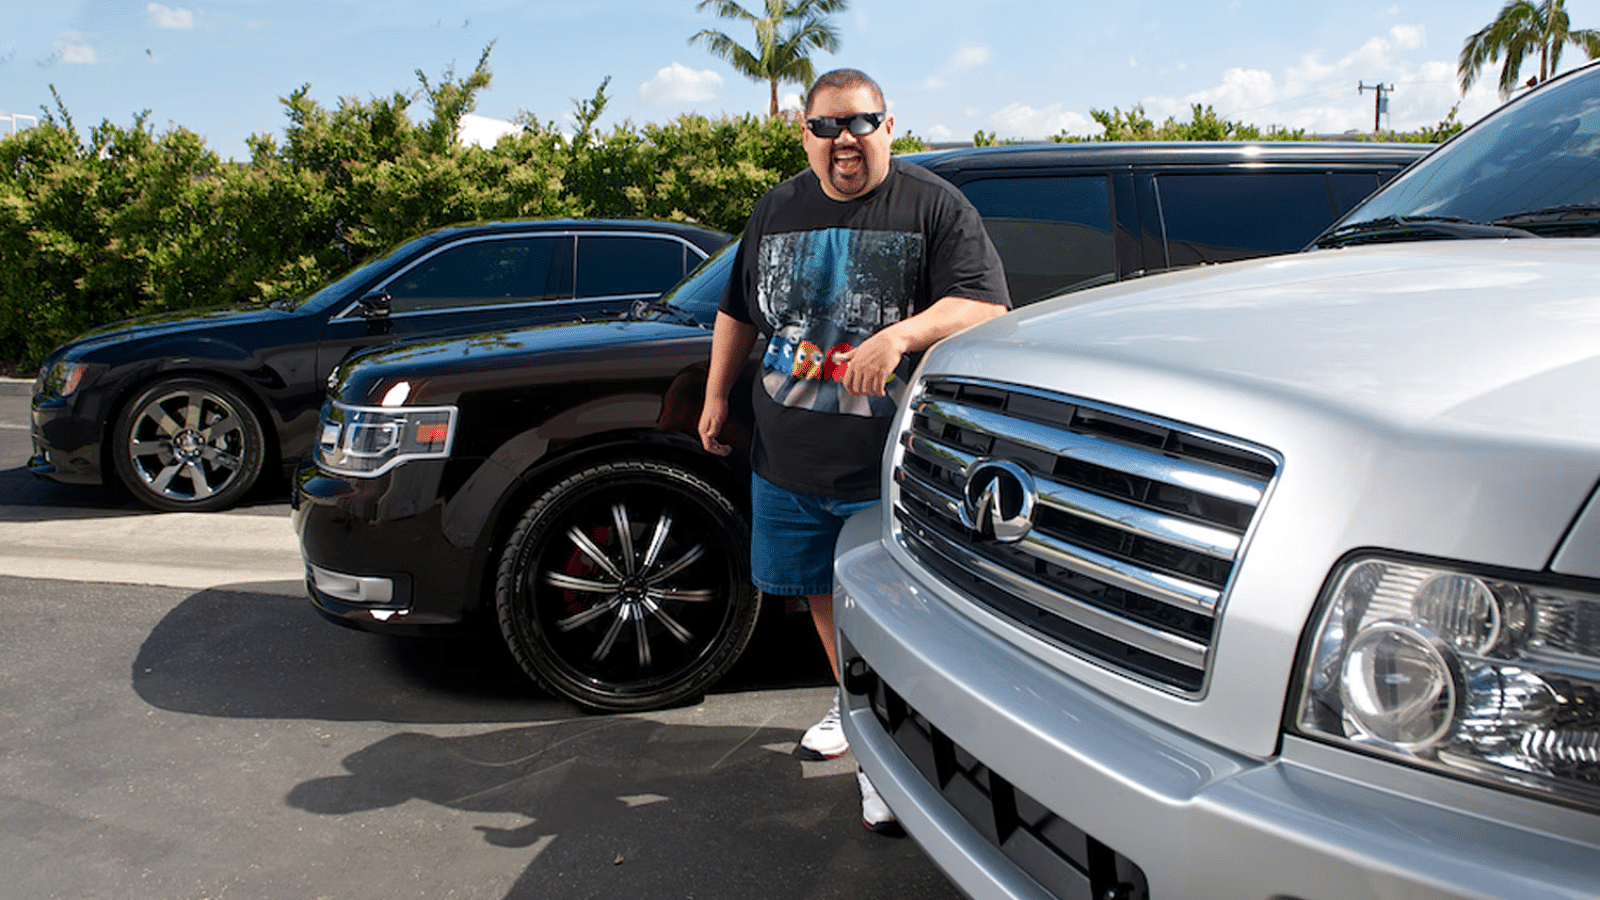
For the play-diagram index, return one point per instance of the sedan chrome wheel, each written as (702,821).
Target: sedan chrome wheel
(626,586)
(188,444)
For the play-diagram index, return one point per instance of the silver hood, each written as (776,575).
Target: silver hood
(1499,337)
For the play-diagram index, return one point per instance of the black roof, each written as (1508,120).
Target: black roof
(1163,153)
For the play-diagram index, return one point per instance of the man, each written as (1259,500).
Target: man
(844,269)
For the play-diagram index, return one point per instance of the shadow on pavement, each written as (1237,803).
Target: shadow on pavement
(242,655)
(20,487)
(264,656)
(627,807)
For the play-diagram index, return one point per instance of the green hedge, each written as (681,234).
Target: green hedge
(124,221)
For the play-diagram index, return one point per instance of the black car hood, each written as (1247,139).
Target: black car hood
(440,369)
(170,324)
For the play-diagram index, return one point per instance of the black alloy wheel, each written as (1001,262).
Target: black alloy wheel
(626,586)
(188,444)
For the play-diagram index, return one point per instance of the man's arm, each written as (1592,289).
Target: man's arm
(871,364)
(730,347)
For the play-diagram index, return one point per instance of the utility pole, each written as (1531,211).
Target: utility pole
(1380,103)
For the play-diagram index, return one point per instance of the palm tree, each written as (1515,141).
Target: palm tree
(1521,28)
(784,38)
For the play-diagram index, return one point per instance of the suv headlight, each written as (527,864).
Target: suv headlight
(1479,676)
(364,441)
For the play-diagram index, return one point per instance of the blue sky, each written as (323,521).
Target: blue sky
(1019,68)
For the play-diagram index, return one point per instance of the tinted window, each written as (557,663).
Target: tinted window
(1235,215)
(609,266)
(1350,188)
(1052,232)
(476,273)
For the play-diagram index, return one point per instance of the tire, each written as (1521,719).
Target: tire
(642,616)
(188,445)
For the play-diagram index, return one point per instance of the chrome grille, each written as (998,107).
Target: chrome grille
(1131,525)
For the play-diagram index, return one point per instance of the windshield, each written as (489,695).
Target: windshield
(1532,166)
(699,293)
(341,286)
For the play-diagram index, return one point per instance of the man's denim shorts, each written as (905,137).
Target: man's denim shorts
(792,537)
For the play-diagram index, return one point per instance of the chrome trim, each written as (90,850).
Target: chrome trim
(1142,637)
(1195,598)
(346,313)
(1193,536)
(367,590)
(1227,486)
(1110,558)
(930,493)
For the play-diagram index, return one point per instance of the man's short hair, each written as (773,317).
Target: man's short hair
(845,80)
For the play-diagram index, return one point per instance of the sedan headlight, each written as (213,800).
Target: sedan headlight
(1482,677)
(364,441)
(62,378)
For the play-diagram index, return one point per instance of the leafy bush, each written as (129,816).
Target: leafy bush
(126,221)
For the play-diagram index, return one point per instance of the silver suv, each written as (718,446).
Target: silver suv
(1277,579)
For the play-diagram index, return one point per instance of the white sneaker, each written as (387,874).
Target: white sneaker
(824,740)
(875,814)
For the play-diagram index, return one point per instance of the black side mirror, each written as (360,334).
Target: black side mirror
(375,305)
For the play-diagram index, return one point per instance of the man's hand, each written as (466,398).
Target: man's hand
(868,367)
(712,416)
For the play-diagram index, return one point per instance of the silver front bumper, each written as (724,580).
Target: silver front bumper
(1193,821)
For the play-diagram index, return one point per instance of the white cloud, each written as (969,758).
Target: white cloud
(678,83)
(170,17)
(77,54)
(1323,97)
(967,57)
(1023,122)
(481,131)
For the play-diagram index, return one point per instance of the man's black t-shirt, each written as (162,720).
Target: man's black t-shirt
(818,275)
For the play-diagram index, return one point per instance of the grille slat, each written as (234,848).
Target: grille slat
(1135,529)
(1218,482)
(1111,513)
(1070,609)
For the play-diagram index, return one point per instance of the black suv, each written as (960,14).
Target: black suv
(552,480)
(188,409)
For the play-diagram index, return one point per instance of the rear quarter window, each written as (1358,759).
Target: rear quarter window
(610,266)
(1052,232)
(1217,217)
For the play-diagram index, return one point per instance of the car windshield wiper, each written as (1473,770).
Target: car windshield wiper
(641,307)
(1551,218)
(1417,228)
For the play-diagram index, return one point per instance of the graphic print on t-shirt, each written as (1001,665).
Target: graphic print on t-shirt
(826,291)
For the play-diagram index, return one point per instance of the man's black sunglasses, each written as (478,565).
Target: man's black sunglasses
(860,124)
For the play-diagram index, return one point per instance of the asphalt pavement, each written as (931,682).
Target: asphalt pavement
(177,724)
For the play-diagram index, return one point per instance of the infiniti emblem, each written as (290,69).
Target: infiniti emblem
(998,500)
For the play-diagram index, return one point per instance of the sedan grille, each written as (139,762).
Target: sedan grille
(1111,532)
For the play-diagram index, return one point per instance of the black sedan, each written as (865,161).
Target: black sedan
(189,410)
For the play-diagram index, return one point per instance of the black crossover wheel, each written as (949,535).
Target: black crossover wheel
(188,444)
(626,586)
